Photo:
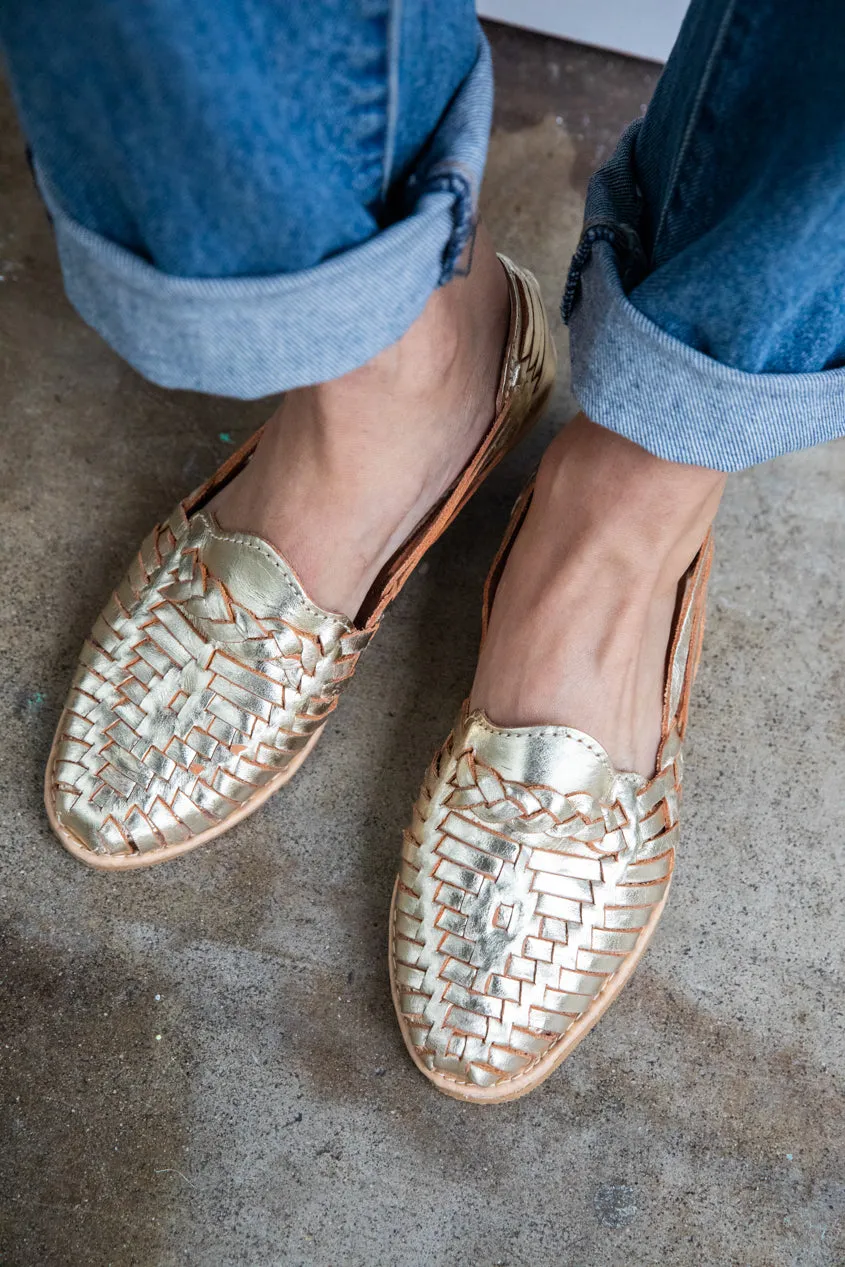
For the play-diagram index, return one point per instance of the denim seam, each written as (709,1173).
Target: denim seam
(692,122)
(628,249)
(461,186)
(394,48)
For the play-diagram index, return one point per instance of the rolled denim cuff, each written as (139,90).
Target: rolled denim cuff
(632,377)
(254,336)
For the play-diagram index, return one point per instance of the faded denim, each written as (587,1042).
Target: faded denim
(706,302)
(250,197)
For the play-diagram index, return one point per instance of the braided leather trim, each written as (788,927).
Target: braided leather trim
(185,702)
(516,906)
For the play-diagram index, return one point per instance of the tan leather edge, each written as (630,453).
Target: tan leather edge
(397,570)
(223,473)
(497,567)
(694,595)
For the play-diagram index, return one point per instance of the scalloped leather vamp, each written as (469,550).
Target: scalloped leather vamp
(210,674)
(533,875)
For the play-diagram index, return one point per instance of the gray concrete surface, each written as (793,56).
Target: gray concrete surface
(200,1063)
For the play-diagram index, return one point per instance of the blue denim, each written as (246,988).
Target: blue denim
(249,196)
(705,300)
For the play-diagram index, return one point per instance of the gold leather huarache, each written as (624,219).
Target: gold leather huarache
(533,876)
(209,676)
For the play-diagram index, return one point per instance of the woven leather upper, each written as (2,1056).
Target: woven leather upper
(531,872)
(207,672)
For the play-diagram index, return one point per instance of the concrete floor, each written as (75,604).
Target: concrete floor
(200,1063)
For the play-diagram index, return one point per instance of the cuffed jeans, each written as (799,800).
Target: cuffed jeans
(706,300)
(249,197)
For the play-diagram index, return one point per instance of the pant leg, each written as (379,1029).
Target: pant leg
(705,298)
(251,196)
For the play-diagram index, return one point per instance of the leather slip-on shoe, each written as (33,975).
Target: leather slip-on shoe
(209,676)
(533,876)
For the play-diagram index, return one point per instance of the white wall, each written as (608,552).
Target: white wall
(644,28)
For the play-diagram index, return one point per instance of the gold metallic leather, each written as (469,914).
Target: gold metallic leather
(207,672)
(532,875)
(210,669)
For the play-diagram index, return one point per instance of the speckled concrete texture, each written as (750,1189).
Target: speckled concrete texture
(200,1063)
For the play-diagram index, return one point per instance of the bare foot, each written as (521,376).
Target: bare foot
(346,470)
(582,617)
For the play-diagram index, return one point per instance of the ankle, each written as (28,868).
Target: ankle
(437,386)
(446,349)
(347,469)
(582,618)
(621,510)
